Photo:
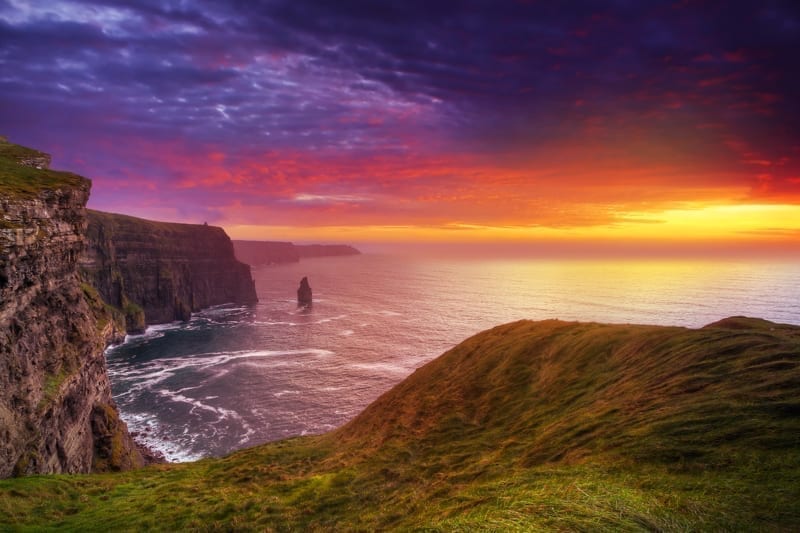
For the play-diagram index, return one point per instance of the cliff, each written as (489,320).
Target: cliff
(56,410)
(159,272)
(257,253)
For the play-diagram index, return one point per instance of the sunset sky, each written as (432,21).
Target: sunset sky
(620,124)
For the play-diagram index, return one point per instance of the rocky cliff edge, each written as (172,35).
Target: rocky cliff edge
(56,410)
(158,272)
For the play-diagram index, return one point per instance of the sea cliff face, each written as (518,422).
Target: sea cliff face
(56,410)
(159,272)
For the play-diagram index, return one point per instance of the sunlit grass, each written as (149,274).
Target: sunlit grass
(25,181)
(528,426)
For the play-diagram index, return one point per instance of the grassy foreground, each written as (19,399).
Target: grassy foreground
(20,181)
(528,426)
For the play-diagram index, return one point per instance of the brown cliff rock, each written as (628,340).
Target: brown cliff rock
(157,272)
(53,380)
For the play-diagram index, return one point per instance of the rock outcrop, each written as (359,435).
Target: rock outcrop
(304,293)
(256,253)
(158,272)
(23,155)
(56,410)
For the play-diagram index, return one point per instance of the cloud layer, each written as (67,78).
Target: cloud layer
(315,113)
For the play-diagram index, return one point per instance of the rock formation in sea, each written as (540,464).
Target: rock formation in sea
(56,410)
(258,253)
(158,272)
(304,292)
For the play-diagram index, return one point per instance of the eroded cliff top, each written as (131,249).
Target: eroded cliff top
(24,172)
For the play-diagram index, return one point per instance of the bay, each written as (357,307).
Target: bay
(238,376)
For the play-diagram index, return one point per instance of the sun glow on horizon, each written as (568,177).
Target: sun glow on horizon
(748,227)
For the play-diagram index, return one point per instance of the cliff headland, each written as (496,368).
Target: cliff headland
(257,253)
(158,272)
(56,410)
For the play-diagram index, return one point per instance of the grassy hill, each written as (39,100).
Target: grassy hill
(528,426)
(20,177)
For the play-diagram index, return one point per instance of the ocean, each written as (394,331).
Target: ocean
(238,376)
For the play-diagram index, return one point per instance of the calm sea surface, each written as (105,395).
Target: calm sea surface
(240,376)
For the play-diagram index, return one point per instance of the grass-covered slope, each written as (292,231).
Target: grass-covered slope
(20,177)
(528,426)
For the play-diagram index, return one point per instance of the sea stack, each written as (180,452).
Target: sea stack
(304,293)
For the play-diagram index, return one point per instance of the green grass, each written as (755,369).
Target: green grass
(23,181)
(103,312)
(528,426)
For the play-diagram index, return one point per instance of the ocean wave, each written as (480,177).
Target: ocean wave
(281,394)
(211,430)
(136,380)
(384,368)
(221,310)
(147,430)
(330,319)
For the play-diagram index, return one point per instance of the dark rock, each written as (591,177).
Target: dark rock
(157,272)
(304,292)
(257,253)
(56,409)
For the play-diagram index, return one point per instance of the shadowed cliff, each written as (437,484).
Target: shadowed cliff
(158,272)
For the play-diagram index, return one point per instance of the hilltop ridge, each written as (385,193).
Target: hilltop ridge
(526,426)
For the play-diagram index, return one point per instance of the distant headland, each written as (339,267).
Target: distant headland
(256,253)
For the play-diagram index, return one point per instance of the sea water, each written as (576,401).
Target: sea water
(237,376)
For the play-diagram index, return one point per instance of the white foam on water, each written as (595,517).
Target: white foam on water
(147,428)
(346,333)
(212,359)
(330,319)
(220,310)
(275,323)
(383,368)
(281,394)
(221,413)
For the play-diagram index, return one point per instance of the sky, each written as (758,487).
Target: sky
(626,125)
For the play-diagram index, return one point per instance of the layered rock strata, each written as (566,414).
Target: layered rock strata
(158,272)
(56,410)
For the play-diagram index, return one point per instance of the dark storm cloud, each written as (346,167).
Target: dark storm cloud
(510,79)
(515,71)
